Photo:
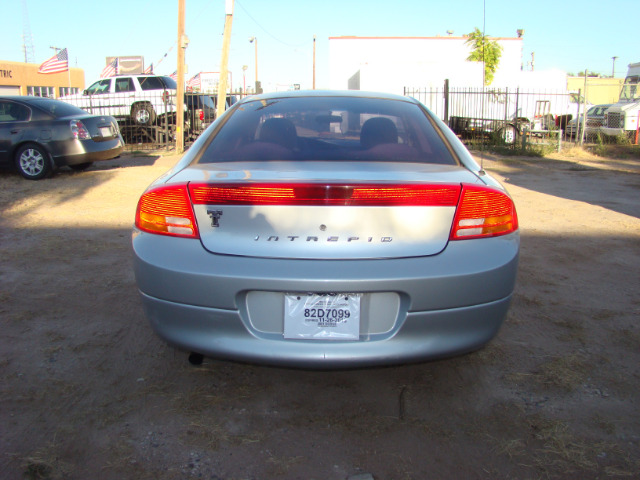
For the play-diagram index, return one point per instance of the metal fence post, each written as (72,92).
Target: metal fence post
(446,101)
(580,125)
(559,140)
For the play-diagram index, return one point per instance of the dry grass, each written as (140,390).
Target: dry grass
(209,435)
(513,448)
(563,449)
(560,453)
(566,372)
(565,452)
(45,463)
(573,330)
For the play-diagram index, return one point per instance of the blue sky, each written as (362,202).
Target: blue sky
(570,36)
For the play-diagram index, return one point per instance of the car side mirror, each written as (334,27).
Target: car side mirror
(85,92)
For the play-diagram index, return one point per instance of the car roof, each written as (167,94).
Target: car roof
(28,98)
(327,93)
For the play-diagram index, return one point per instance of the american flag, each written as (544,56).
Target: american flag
(56,64)
(194,82)
(149,70)
(110,70)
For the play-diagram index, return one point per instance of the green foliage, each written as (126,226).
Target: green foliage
(518,150)
(484,49)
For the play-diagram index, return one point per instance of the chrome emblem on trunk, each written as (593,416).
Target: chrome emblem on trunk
(215,217)
(313,238)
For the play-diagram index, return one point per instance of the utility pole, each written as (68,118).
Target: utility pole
(182,45)
(252,40)
(533,60)
(224,62)
(613,68)
(314,62)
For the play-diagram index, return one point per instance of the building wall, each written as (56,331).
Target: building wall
(599,90)
(16,78)
(391,63)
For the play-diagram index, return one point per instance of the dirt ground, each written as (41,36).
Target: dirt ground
(88,391)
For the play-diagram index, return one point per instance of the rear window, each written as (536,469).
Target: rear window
(328,128)
(56,107)
(199,101)
(157,83)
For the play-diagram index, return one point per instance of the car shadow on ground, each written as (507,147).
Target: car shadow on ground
(549,176)
(65,184)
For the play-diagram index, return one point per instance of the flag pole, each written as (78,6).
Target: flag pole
(69,72)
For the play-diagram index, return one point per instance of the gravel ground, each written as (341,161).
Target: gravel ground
(88,391)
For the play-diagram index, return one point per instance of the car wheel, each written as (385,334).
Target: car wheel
(80,167)
(33,163)
(508,134)
(143,114)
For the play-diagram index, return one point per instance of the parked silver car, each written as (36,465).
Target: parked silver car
(326,230)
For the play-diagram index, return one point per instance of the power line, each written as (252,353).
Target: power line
(269,33)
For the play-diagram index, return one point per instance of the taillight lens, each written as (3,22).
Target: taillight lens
(483,212)
(325,194)
(78,130)
(167,211)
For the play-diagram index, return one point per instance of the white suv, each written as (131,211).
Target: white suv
(141,98)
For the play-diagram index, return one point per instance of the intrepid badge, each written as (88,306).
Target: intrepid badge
(332,238)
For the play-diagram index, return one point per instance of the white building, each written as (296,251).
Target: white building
(388,64)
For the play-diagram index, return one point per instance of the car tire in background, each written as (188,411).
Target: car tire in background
(33,162)
(508,134)
(143,114)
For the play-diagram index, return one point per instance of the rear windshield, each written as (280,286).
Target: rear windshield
(157,83)
(328,128)
(56,107)
(199,101)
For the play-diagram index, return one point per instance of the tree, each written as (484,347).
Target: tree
(484,50)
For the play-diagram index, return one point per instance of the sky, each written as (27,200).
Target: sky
(570,36)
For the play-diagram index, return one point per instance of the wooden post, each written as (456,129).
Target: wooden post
(180,80)
(224,62)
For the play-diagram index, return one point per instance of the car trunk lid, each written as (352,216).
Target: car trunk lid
(319,211)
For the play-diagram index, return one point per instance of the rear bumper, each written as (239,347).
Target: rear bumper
(74,153)
(419,336)
(448,304)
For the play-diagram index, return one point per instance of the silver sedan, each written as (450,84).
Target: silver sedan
(326,230)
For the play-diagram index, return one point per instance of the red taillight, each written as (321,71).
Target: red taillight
(78,130)
(483,212)
(167,211)
(325,194)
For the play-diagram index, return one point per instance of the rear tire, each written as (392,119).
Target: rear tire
(33,162)
(196,359)
(80,167)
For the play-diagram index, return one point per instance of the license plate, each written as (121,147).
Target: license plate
(322,316)
(106,132)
